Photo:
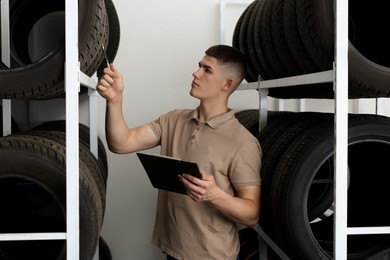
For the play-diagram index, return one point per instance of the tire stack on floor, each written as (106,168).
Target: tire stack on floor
(298,180)
(33,161)
(283,38)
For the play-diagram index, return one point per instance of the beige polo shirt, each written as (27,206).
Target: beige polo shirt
(221,147)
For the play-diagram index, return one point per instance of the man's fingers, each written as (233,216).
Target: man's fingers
(101,88)
(108,79)
(112,68)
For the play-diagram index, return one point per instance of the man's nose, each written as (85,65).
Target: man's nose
(195,73)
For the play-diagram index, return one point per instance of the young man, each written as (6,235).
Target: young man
(201,224)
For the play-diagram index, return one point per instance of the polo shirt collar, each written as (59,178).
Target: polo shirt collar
(215,121)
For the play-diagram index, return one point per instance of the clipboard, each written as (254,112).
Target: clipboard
(163,170)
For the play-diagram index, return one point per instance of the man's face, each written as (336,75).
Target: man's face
(208,79)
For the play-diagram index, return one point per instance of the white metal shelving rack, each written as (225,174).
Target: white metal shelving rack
(339,77)
(73,78)
(6,60)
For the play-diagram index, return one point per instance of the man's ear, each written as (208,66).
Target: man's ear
(228,84)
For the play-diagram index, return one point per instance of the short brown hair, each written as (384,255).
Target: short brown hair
(229,55)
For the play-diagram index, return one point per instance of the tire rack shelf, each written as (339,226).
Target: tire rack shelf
(262,88)
(339,77)
(73,77)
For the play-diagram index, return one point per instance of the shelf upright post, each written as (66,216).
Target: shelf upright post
(72,86)
(5,55)
(341,129)
(93,95)
(93,138)
(90,83)
(5,36)
(263,105)
(6,106)
(222,15)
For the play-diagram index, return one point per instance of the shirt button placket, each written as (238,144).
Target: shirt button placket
(192,143)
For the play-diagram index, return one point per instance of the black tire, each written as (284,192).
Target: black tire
(306,45)
(114,35)
(43,171)
(301,57)
(383,255)
(249,118)
(276,66)
(85,156)
(274,140)
(254,49)
(104,250)
(315,23)
(37,71)
(279,39)
(302,169)
(293,38)
(368,58)
(265,71)
(60,125)
(252,74)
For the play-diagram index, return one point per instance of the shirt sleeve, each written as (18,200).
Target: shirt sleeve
(155,125)
(247,164)
(158,124)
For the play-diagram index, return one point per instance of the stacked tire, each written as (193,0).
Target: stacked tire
(33,162)
(37,46)
(298,182)
(283,38)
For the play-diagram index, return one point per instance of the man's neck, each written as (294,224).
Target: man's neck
(206,113)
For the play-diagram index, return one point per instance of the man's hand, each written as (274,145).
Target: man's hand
(203,189)
(243,208)
(110,85)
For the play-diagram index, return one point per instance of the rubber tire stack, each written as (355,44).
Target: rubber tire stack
(283,38)
(33,162)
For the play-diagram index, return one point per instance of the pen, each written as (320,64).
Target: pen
(105,56)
